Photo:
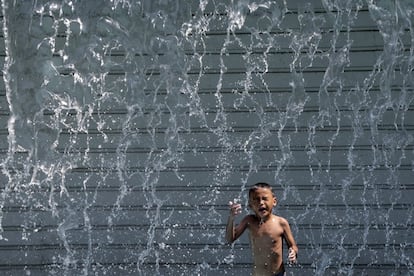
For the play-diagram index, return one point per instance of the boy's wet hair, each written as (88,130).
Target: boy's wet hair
(260,185)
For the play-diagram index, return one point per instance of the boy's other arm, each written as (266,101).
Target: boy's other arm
(233,233)
(289,240)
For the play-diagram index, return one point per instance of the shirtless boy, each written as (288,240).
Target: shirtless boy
(266,232)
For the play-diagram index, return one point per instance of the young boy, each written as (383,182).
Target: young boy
(266,232)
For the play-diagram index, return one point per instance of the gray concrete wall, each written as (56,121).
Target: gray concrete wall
(125,129)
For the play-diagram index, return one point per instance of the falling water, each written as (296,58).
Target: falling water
(127,126)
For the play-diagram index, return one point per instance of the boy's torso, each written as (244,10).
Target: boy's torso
(266,241)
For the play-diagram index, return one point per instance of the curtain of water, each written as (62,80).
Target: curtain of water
(111,104)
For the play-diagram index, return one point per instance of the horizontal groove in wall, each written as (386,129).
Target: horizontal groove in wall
(228,188)
(215,149)
(383,187)
(375,89)
(189,53)
(237,71)
(39,228)
(171,266)
(311,91)
(217,17)
(279,51)
(195,246)
(213,168)
(220,9)
(193,130)
(220,207)
(376,46)
(228,110)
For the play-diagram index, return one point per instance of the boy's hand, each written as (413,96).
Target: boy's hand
(292,256)
(235,208)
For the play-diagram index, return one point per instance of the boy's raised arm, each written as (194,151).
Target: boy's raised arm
(232,233)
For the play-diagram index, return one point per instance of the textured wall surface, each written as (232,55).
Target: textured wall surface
(127,126)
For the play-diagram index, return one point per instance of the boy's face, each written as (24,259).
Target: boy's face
(262,202)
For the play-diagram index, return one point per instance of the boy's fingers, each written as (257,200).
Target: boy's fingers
(235,208)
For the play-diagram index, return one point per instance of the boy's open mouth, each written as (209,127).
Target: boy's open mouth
(261,209)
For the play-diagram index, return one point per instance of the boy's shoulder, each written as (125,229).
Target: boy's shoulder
(251,218)
(279,219)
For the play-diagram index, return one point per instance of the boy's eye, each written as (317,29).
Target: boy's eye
(259,199)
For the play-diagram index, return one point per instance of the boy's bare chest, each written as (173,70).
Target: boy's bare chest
(266,231)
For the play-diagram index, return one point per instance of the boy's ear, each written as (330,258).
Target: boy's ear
(274,201)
